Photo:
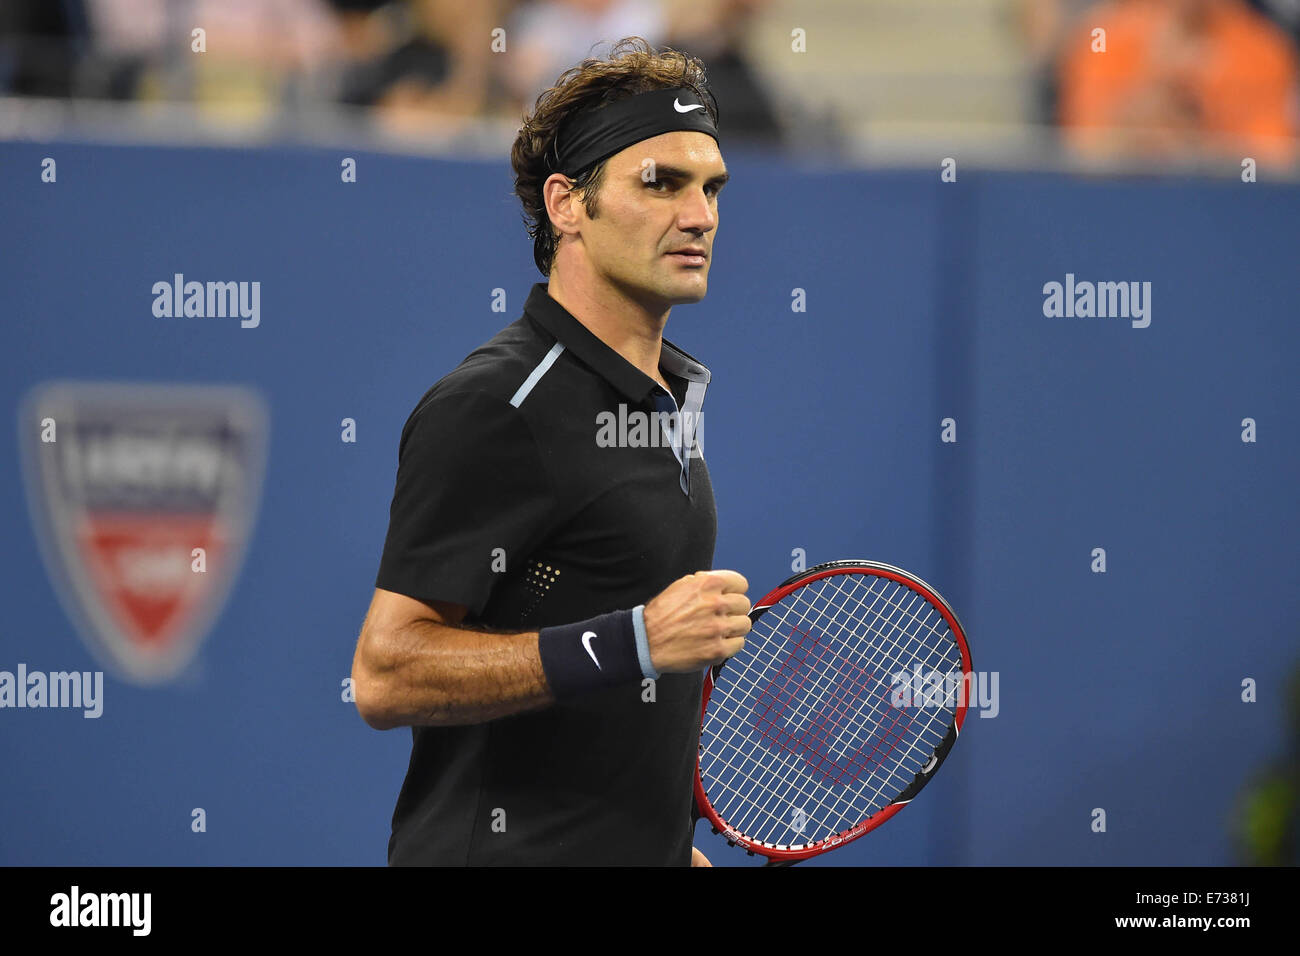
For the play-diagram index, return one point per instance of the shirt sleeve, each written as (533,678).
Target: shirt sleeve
(470,480)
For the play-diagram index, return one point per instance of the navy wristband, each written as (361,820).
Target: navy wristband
(589,655)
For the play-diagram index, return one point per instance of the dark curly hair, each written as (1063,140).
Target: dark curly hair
(633,67)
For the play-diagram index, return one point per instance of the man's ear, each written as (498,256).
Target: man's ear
(561,202)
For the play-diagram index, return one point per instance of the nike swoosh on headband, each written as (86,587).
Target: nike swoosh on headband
(686,109)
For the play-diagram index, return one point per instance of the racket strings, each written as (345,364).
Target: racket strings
(890,734)
(742,678)
(814,803)
(787,782)
(827,735)
(801,739)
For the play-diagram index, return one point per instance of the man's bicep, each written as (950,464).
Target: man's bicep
(390,611)
(472,497)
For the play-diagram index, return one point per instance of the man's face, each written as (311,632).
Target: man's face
(658,196)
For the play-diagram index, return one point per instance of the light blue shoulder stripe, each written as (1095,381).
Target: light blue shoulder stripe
(536,375)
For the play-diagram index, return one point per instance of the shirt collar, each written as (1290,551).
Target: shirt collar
(606,362)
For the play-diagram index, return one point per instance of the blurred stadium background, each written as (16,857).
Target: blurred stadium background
(1005,81)
(1170,156)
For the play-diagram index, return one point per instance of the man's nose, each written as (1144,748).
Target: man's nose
(697,213)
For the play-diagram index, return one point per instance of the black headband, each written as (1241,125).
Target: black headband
(589,137)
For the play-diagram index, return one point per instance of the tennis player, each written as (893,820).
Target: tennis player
(544,607)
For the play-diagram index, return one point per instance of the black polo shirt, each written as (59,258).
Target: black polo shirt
(536,487)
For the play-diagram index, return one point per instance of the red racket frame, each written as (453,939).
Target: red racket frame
(835,841)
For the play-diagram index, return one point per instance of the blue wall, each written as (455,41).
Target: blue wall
(1118,690)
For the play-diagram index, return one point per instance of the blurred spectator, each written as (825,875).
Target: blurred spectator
(256,53)
(260,52)
(714,30)
(550,36)
(1180,78)
(1285,13)
(38,46)
(129,36)
(1044,25)
(423,63)
(367,31)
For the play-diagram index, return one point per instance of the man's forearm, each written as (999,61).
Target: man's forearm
(434,674)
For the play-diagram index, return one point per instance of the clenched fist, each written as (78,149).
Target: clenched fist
(697,621)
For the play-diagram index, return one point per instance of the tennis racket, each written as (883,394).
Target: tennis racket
(849,693)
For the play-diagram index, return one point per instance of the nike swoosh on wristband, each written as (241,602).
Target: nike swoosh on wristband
(686,109)
(586,643)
